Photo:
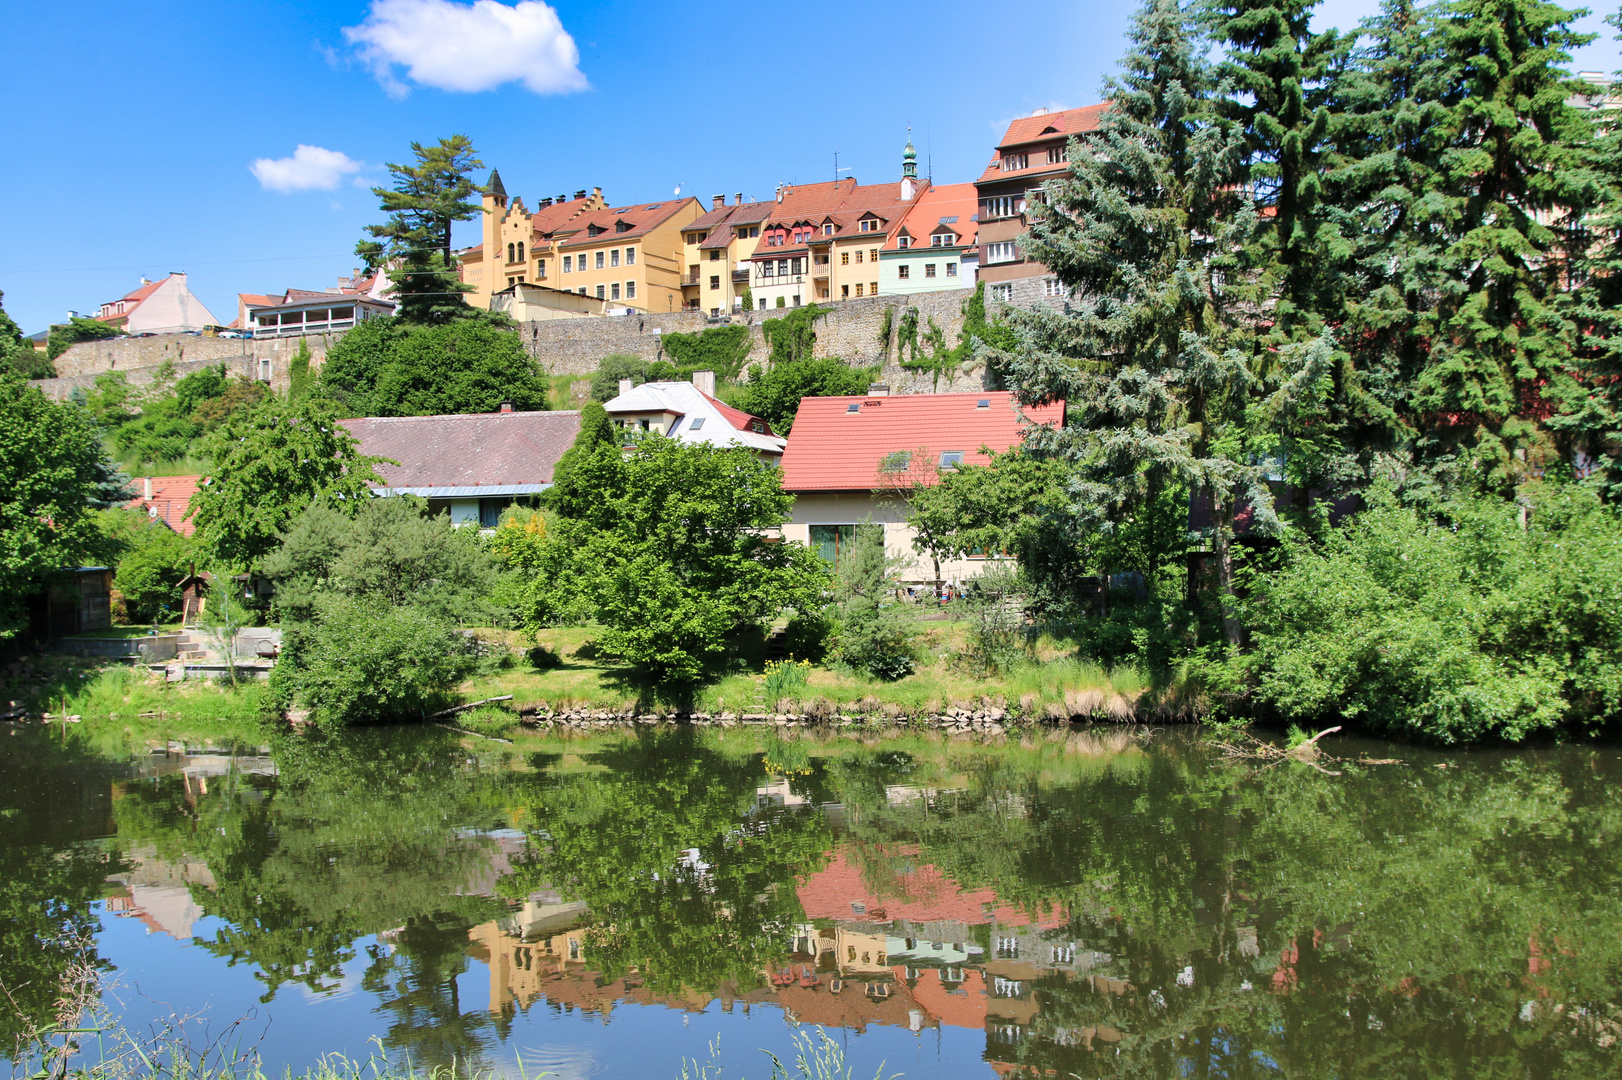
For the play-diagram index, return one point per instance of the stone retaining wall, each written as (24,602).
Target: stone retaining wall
(138,359)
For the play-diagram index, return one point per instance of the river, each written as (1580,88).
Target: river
(1087,902)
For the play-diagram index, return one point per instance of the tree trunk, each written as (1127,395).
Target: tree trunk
(1222,534)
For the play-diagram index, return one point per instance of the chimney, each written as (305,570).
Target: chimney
(717,201)
(878,389)
(546,201)
(738,198)
(1039,112)
(779,192)
(581,194)
(704,382)
(625,386)
(563,198)
(506,406)
(146,483)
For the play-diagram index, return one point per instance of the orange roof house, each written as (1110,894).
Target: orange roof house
(167,499)
(166,306)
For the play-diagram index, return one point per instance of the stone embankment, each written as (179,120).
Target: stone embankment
(987,720)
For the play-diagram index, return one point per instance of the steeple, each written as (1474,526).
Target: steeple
(494,185)
(909,169)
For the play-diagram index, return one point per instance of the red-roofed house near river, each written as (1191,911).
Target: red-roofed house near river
(849,459)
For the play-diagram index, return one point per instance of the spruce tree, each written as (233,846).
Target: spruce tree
(1151,356)
(415,243)
(1513,186)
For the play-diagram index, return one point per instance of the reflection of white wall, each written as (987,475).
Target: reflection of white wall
(168,908)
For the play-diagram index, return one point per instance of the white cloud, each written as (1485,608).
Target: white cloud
(468,47)
(311,168)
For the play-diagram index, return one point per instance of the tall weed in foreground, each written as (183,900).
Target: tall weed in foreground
(819,1058)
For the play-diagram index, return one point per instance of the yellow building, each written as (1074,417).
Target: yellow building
(518,245)
(716,249)
(629,256)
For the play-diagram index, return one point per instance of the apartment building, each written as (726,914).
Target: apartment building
(629,256)
(1032,151)
(934,248)
(716,251)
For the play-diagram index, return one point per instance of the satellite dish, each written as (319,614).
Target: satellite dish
(679,187)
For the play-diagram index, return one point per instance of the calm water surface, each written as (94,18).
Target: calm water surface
(1087,903)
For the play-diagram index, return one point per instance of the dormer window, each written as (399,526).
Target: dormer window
(593,229)
(868,225)
(1015,162)
(903,242)
(828,229)
(944,239)
(622,226)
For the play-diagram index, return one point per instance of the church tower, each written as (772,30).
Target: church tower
(909,170)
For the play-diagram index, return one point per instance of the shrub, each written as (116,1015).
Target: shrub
(1455,627)
(150,570)
(996,622)
(806,635)
(873,635)
(363,659)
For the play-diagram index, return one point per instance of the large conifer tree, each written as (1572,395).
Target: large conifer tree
(414,244)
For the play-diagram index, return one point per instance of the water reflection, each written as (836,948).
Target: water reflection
(1088,903)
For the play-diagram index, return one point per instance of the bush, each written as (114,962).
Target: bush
(774,394)
(363,659)
(385,367)
(150,570)
(605,381)
(806,636)
(996,622)
(1455,627)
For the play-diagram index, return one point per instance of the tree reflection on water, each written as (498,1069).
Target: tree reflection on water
(1096,904)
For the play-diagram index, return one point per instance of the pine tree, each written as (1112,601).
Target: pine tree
(1513,186)
(415,243)
(1152,357)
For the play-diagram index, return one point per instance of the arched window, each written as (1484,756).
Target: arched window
(520,251)
(510,254)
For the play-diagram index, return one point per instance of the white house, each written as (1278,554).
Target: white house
(689,412)
(158,307)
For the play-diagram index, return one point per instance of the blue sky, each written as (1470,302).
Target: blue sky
(145,138)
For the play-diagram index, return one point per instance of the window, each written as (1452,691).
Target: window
(904,271)
(828,229)
(630,290)
(828,541)
(859,254)
(983,403)
(581,290)
(999,206)
(799,265)
(568,264)
(630,256)
(768,268)
(754,231)
(865,225)
(902,243)
(1014,162)
(614,291)
(599,260)
(599,292)
(510,256)
(943,239)
(858,288)
(1002,252)
(1051,287)
(520,251)
(715,255)
(951,459)
(264,370)
(951,269)
(929,269)
(540,269)
(844,258)
(1004,292)
(614,257)
(854,407)
(844,292)
(875,288)
(695,423)
(873,254)
(490,511)
(622,226)
(782,268)
(762,303)
(715,281)
(1055,155)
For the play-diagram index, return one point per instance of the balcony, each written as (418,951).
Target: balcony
(692,280)
(740,277)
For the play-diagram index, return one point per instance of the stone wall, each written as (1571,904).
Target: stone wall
(849,330)
(139,358)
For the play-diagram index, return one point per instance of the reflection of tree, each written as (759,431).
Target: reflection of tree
(50,873)
(1397,922)
(353,838)
(416,983)
(622,841)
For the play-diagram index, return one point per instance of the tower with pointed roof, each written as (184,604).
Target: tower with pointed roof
(909,169)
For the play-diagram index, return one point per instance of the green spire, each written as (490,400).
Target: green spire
(909,159)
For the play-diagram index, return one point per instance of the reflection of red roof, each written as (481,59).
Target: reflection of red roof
(964,1008)
(923,894)
(170,501)
(832,448)
(852,1008)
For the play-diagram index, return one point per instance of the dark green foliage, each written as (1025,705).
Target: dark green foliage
(721,349)
(792,336)
(872,635)
(299,379)
(414,245)
(150,570)
(272,463)
(670,551)
(50,471)
(17,353)
(567,495)
(75,330)
(391,549)
(774,393)
(605,381)
(389,367)
(1458,627)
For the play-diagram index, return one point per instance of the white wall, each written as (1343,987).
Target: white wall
(852,508)
(171,309)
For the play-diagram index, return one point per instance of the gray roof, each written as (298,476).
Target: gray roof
(494,453)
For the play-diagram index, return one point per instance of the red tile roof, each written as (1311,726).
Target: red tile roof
(170,501)
(948,200)
(831,448)
(547,219)
(920,894)
(1067,122)
(642,219)
(132,300)
(485,450)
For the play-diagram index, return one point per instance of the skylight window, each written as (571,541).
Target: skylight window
(854,406)
(696,423)
(951,459)
(983,403)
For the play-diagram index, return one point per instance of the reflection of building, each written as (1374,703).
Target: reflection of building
(158,892)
